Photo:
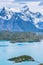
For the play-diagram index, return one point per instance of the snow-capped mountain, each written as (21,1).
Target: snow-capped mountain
(25,20)
(36,17)
(5,14)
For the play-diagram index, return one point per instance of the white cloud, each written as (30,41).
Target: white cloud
(41,3)
(6,0)
(12,5)
(33,6)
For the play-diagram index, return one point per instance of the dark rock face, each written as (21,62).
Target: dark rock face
(3,12)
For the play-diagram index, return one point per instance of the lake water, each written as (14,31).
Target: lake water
(8,50)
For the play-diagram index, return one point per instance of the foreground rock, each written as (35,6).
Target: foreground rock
(41,64)
(21,58)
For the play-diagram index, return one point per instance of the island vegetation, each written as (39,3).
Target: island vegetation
(21,58)
(20,36)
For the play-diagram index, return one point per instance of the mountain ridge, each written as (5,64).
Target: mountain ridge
(25,20)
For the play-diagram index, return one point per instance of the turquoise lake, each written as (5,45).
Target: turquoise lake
(9,50)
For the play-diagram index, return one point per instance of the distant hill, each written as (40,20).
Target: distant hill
(20,36)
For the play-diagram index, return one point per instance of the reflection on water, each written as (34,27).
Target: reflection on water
(8,50)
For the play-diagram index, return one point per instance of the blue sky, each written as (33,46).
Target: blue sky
(22,0)
(27,0)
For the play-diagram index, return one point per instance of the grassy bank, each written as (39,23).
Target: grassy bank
(20,36)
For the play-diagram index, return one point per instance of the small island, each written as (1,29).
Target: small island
(21,58)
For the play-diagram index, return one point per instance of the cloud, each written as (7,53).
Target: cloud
(17,4)
(41,3)
(6,0)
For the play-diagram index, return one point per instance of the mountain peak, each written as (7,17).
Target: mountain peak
(3,12)
(25,8)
